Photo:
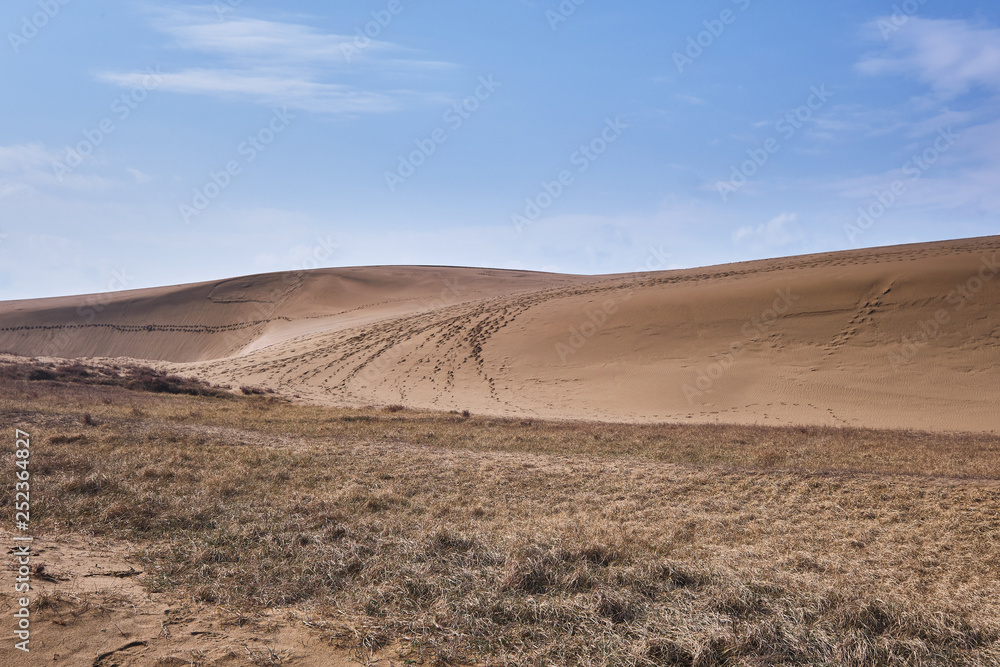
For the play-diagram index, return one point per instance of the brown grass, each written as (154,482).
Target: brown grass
(137,378)
(529,542)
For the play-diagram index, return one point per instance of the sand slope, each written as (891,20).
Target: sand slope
(906,336)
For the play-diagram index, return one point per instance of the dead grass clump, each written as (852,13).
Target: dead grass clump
(149,380)
(599,554)
(662,651)
(266,656)
(616,608)
(70,462)
(97,482)
(64,607)
(39,374)
(539,571)
(445,543)
(893,618)
(656,577)
(534,573)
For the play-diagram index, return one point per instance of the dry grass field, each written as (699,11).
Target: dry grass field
(418,537)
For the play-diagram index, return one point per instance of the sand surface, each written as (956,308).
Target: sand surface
(898,337)
(89,602)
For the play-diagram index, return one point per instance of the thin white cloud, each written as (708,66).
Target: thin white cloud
(287,64)
(24,167)
(693,100)
(951,56)
(962,178)
(778,231)
(945,117)
(263,41)
(138,175)
(257,42)
(270,90)
(9,189)
(25,157)
(857,120)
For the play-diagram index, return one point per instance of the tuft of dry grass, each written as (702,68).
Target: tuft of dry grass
(529,542)
(247,390)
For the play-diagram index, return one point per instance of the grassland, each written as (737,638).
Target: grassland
(476,540)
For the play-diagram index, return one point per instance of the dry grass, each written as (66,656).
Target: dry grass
(525,542)
(137,378)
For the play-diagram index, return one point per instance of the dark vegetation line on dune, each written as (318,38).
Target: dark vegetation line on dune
(140,328)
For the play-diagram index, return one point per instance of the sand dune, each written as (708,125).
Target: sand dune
(898,337)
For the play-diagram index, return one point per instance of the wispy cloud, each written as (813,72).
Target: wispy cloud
(138,175)
(951,56)
(287,64)
(779,231)
(693,100)
(956,60)
(24,167)
(857,120)
(271,89)
(961,180)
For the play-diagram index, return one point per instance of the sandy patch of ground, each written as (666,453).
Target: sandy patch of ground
(89,608)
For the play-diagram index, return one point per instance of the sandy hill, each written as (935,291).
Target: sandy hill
(906,336)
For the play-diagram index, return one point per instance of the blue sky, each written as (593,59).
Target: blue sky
(151,143)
